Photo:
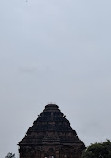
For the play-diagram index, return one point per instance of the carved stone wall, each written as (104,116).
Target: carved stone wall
(51,136)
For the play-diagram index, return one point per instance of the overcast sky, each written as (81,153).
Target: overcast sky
(55,51)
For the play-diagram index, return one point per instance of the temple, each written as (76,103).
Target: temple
(51,136)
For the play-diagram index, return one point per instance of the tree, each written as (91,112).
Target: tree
(10,155)
(98,150)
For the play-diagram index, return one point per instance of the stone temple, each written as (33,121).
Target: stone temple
(51,136)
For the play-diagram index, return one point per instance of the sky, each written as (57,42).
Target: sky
(55,51)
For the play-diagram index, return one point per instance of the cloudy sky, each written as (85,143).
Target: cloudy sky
(55,51)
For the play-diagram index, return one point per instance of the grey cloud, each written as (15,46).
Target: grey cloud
(55,51)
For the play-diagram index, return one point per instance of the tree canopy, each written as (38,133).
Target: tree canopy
(98,150)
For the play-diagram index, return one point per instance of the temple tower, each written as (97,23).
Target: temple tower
(51,136)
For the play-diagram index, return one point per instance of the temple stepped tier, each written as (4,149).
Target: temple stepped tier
(51,136)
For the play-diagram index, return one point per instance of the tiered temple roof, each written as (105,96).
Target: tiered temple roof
(51,130)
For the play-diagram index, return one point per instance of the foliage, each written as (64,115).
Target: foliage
(10,155)
(98,150)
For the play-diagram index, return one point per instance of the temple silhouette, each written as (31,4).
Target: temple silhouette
(51,136)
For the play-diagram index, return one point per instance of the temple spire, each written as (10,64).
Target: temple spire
(51,135)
